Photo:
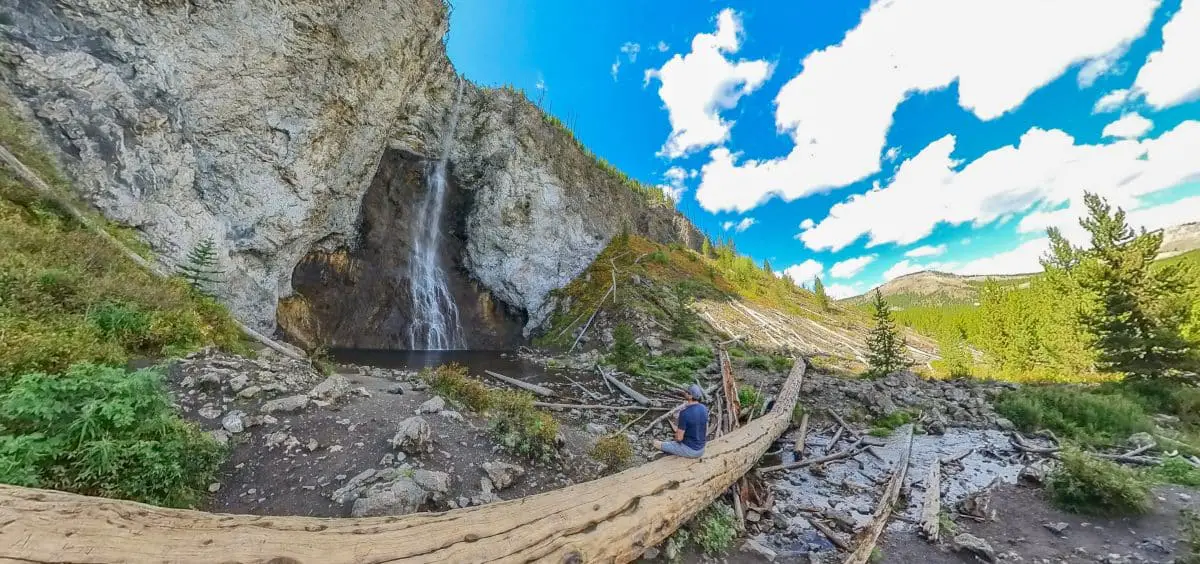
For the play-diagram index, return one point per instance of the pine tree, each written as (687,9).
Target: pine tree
(886,352)
(683,319)
(1140,312)
(200,268)
(819,290)
(706,248)
(956,357)
(627,354)
(767,268)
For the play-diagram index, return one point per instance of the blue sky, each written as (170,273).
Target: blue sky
(861,141)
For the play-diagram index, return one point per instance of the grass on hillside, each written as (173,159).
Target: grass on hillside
(66,296)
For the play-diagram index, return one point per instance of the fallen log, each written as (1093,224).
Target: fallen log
(931,509)
(614,518)
(590,319)
(829,534)
(849,451)
(833,442)
(884,509)
(590,393)
(625,389)
(842,422)
(597,406)
(536,389)
(801,436)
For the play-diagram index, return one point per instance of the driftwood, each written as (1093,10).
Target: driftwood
(836,437)
(801,436)
(660,419)
(596,406)
(632,393)
(607,386)
(631,423)
(590,319)
(932,508)
(585,390)
(848,452)
(44,191)
(833,537)
(842,422)
(957,457)
(614,518)
(534,388)
(884,509)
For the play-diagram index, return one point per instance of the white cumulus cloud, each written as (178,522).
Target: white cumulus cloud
(901,268)
(662,46)
(739,226)
(1129,126)
(1022,259)
(1170,76)
(1113,101)
(697,86)
(850,267)
(808,223)
(839,291)
(675,186)
(1045,174)
(839,109)
(926,251)
(804,272)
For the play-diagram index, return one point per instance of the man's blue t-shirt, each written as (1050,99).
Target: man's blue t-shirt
(694,422)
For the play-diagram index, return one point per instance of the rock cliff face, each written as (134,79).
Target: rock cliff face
(263,124)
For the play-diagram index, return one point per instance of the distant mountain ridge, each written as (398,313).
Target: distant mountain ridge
(932,287)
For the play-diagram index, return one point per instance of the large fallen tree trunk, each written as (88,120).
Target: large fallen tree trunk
(613,519)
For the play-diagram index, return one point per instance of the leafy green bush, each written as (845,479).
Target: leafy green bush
(750,399)
(714,529)
(451,382)
(1175,470)
(627,355)
(612,450)
(1088,417)
(658,257)
(679,367)
(101,431)
(797,414)
(759,362)
(1178,397)
(1084,484)
(120,322)
(521,428)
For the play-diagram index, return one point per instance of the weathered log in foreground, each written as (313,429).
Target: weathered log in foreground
(612,519)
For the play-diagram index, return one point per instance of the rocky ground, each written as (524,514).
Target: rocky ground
(374,441)
(359,442)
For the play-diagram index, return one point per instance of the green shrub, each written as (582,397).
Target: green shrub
(714,529)
(101,431)
(797,414)
(893,420)
(658,257)
(780,363)
(451,382)
(521,428)
(750,399)
(120,322)
(612,450)
(627,355)
(1175,470)
(759,363)
(1180,398)
(678,367)
(1088,417)
(1084,484)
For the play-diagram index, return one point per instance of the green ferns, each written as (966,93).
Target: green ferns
(101,431)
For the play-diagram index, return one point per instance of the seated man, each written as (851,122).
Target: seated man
(692,428)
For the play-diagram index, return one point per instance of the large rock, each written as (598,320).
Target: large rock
(502,474)
(432,405)
(399,497)
(975,545)
(412,436)
(434,482)
(331,388)
(288,404)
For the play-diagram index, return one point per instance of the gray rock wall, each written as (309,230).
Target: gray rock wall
(262,123)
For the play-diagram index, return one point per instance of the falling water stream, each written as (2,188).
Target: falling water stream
(435,324)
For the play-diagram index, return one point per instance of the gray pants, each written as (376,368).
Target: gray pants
(679,449)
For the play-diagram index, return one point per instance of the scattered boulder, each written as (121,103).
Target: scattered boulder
(239,383)
(399,497)
(331,388)
(436,483)
(397,389)
(596,429)
(249,392)
(288,404)
(975,545)
(209,412)
(502,474)
(1056,528)
(432,405)
(451,415)
(413,436)
(1138,440)
(350,489)
(233,422)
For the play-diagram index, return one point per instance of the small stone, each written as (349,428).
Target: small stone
(451,415)
(975,545)
(413,436)
(1184,497)
(249,392)
(330,389)
(209,412)
(418,387)
(312,445)
(251,491)
(233,422)
(1057,528)
(596,428)
(214,487)
(1141,439)
(432,405)
(239,383)
(387,459)
(340,477)
(335,448)
(397,389)
(650,553)
(502,474)
(288,405)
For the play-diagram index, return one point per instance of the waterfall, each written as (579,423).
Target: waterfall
(435,324)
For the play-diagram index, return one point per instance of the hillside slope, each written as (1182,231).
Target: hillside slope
(722,295)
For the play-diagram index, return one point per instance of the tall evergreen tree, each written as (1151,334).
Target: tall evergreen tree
(200,268)
(886,347)
(1140,312)
(819,290)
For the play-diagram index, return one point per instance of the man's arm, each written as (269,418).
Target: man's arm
(678,431)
